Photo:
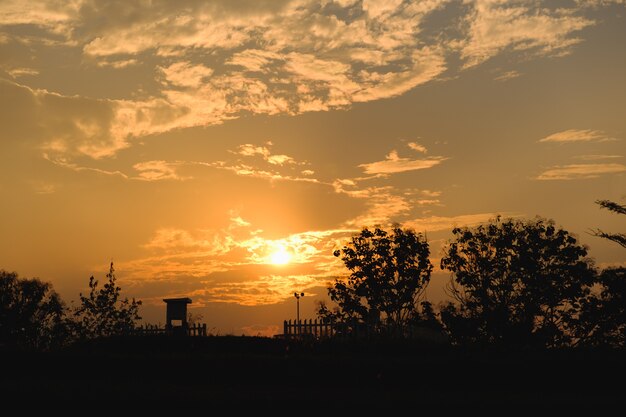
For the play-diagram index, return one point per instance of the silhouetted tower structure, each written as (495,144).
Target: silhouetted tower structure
(176,315)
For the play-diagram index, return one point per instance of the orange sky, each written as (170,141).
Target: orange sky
(221,150)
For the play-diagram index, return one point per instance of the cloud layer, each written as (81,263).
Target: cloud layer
(214,61)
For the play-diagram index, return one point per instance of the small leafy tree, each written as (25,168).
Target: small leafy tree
(388,275)
(31,313)
(103,313)
(516,282)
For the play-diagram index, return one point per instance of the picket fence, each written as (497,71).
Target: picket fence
(320,329)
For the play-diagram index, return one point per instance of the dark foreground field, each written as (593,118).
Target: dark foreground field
(249,372)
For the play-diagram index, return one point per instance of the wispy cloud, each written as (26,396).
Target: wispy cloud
(439,223)
(393,164)
(382,204)
(118,64)
(580,171)
(279,167)
(495,25)
(186,74)
(59,161)
(508,75)
(264,290)
(146,171)
(578,135)
(417,147)
(66,126)
(430,193)
(56,17)
(264,151)
(157,170)
(597,157)
(245,170)
(179,239)
(255,60)
(22,71)
(598,3)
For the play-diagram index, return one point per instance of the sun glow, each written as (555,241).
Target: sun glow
(280,256)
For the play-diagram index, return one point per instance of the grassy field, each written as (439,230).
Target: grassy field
(262,372)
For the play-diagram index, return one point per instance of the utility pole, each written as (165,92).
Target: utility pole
(298,295)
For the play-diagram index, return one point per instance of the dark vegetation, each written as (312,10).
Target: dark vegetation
(515,284)
(33,316)
(532,320)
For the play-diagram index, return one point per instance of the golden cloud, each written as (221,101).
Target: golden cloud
(394,164)
(577,135)
(580,171)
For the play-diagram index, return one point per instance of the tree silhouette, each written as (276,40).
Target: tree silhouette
(603,318)
(516,283)
(103,313)
(388,275)
(604,312)
(619,238)
(31,313)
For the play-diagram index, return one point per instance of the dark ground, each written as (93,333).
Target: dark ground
(249,372)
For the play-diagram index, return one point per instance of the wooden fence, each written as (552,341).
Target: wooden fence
(195,329)
(316,328)
(320,329)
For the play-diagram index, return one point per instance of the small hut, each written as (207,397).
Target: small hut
(176,315)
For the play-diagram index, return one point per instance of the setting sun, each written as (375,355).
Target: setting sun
(280,256)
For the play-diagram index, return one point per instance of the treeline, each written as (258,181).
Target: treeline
(514,283)
(33,316)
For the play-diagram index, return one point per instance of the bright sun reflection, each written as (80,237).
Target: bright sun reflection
(280,256)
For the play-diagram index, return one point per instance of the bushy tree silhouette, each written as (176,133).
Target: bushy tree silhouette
(388,275)
(31,313)
(516,282)
(103,313)
(603,318)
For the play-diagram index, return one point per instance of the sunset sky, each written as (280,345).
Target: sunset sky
(221,150)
